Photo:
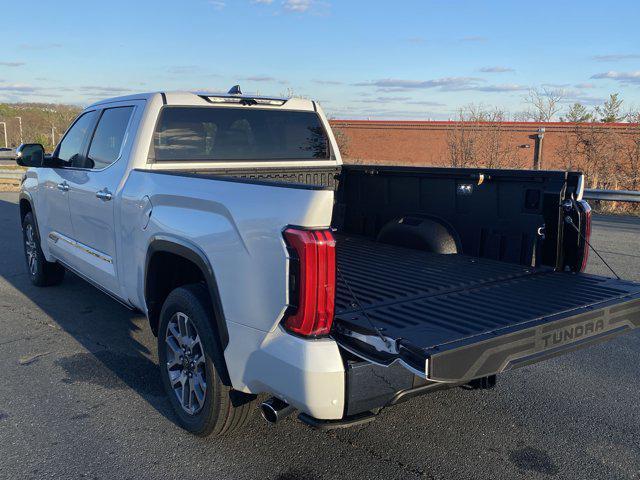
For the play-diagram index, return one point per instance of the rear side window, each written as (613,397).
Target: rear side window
(108,137)
(210,133)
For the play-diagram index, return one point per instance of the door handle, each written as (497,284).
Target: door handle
(63,187)
(104,194)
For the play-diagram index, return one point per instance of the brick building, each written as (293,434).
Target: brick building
(523,143)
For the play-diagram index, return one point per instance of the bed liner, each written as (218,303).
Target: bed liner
(455,317)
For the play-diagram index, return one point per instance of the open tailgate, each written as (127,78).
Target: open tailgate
(453,318)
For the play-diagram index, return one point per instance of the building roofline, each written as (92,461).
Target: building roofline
(506,123)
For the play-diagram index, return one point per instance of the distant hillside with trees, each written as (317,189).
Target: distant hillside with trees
(40,122)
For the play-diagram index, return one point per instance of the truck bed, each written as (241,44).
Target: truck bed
(432,305)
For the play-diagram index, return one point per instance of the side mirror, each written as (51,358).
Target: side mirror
(30,155)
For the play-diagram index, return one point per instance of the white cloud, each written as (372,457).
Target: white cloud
(103,89)
(427,103)
(572,96)
(616,57)
(298,6)
(383,113)
(318,7)
(555,86)
(328,82)
(447,83)
(265,78)
(258,78)
(218,4)
(383,100)
(510,87)
(622,77)
(18,87)
(496,69)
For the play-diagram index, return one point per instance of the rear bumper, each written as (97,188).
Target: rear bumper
(371,386)
(307,374)
(458,362)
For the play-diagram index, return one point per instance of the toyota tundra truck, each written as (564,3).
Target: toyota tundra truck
(268,267)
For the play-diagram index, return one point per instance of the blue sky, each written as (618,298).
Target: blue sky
(379,59)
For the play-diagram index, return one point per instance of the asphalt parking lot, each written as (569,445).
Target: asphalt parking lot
(80,397)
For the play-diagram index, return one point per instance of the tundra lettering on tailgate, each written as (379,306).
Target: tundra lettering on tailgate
(570,333)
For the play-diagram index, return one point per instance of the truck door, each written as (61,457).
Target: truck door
(92,192)
(54,218)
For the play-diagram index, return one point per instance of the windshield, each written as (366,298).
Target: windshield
(210,133)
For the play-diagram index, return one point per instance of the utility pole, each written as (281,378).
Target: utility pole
(537,153)
(20,126)
(53,135)
(6,144)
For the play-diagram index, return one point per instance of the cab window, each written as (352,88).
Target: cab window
(70,149)
(108,138)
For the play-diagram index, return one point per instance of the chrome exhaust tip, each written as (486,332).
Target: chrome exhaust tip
(274,410)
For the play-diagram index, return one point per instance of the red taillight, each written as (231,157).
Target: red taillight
(586,233)
(313,281)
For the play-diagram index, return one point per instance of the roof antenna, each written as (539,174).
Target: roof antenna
(235,90)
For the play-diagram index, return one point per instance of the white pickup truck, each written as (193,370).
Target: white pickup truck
(266,266)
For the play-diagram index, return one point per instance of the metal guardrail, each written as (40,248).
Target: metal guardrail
(612,195)
(10,174)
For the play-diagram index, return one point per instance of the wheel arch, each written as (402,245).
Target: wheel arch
(26,206)
(423,232)
(180,250)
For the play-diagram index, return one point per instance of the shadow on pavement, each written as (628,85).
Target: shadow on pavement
(115,358)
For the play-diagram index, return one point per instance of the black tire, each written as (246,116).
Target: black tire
(41,273)
(224,409)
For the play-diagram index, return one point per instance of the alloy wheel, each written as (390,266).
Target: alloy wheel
(31,250)
(186,363)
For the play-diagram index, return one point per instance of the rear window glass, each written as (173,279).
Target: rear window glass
(209,133)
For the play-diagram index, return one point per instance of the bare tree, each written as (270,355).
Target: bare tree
(522,116)
(631,152)
(343,141)
(544,103)
(461,142)
(599,149)
(479,138)
(493,141)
